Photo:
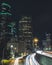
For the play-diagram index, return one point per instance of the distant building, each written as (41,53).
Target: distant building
(44,44)
(47,42)
(25,34)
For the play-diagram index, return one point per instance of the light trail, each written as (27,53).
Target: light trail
(34,60)
(17,61)
(30,60)
(27,60)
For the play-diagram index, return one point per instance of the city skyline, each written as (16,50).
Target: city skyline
(41,13)
(9,31)
(25,27)
(25,35)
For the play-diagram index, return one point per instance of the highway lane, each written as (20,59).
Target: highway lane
(27,61)
(30,60)
(33,59)
(19,61)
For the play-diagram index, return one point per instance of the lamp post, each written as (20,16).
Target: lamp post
(35,42)
(12,51)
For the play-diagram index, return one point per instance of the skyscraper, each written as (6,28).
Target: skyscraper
(25,34)
(5,18)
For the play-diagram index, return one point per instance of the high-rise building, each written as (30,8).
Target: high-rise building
(5,18)
(25,34)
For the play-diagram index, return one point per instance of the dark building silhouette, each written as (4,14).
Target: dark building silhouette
(5,19)
(47,42)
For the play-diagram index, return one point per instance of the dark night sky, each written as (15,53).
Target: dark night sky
(41,13)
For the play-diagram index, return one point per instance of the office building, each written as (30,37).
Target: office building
(25,34)
(5,19)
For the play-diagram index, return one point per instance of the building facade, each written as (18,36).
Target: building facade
(5,18)
(25,34)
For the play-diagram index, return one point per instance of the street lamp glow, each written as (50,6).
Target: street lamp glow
(35,40)
(11,46)
(15,48)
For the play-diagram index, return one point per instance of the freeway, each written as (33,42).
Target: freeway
(19,61)
(30,60)
(38,58)
(45,53)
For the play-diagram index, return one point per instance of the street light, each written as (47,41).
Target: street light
(12,51)
(35,42)
(11,46)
